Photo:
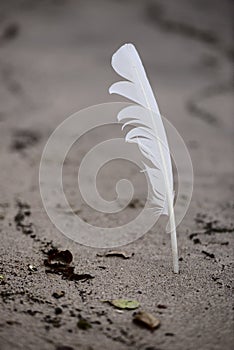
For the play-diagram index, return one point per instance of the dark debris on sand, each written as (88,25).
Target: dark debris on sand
(58,262)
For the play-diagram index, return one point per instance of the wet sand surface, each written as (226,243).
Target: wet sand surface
(54,61)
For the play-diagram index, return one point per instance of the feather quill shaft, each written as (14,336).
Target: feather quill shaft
(150,135)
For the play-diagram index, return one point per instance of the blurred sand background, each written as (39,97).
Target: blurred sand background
(54,61)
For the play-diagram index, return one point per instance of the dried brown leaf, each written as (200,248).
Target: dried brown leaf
(146,319)
(118,253)
(63,256)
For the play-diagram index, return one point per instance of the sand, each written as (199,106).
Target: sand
(54,61)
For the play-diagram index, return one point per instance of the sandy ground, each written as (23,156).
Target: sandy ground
(54,60)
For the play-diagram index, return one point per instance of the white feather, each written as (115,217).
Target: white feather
(149,134)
